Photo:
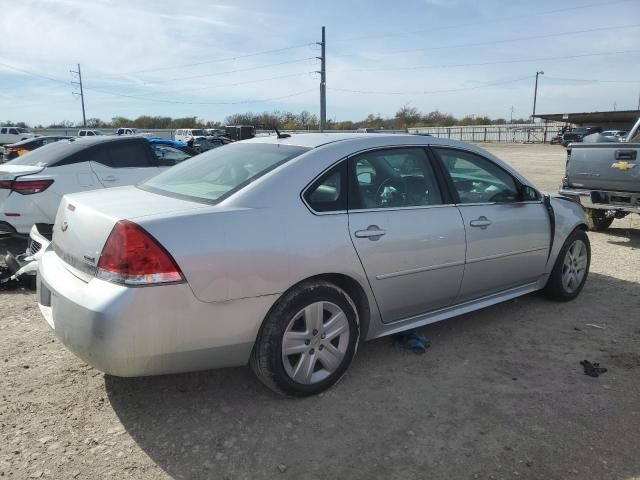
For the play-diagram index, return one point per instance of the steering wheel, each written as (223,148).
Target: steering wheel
(392,192)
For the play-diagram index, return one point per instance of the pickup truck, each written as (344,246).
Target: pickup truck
(604,178)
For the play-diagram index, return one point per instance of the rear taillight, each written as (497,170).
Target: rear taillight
(29,187)
(132,256)
(6,184)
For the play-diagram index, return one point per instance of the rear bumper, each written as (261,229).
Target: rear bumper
(127,331)
(604,200)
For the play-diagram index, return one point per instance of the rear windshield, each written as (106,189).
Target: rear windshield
(216,174)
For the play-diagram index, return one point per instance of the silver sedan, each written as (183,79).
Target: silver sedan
(285,252)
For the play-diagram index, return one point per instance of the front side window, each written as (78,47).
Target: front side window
(477,179)
(393,178)
(13,131)
(214,175)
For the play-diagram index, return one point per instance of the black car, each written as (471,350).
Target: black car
(577,134)
(25,146)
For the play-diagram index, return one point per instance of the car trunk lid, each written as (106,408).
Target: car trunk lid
(84,222)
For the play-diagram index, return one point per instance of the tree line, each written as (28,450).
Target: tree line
(405,117)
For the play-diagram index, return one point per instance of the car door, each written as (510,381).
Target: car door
(123,163)
(406,231)
(507,226)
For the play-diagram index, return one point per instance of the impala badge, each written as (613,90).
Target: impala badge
(623,165)
(64,226)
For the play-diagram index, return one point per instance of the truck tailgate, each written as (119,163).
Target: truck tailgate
(604,166)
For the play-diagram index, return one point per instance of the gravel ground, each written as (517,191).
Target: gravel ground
(500,394)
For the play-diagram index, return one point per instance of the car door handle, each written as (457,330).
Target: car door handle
(482,222)
(373,232)
(110,178)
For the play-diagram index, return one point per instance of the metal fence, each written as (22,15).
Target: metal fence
(511,133)
(155,132)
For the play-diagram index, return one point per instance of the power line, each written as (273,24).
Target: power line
(495,42)
(216,60)
(429,92)
(498,62)
(123,95)
(484,22)
(248,69)
(590,80)
(222,85)
(179,102)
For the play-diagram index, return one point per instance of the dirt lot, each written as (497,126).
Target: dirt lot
(500,394)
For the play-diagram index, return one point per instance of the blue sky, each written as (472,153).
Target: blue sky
(193,57)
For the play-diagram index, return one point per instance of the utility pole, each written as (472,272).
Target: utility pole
(323,83)
(511,120)
(81,94)
(535,97)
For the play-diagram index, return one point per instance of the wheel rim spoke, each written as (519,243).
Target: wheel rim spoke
(313,316)
(336,326)
(294,343)
(330,358)
(304,368)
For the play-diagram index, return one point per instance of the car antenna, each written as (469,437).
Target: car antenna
(281,135)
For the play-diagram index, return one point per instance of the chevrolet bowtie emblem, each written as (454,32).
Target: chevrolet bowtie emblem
(623,165)
(64,226)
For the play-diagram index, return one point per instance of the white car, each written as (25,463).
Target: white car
(183,134)
(32,186)
(89,133)
(14,135)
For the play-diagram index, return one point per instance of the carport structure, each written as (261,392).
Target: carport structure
(612,120)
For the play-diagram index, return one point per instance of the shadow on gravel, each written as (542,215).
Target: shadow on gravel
(499,391)
(626,237)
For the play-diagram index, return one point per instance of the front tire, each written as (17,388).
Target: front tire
(307,341)
(598,220)
(571,269)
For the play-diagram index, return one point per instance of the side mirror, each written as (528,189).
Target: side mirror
(528,194)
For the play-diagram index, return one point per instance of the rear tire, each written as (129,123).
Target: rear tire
(307,341)
(571,269)
(597,220)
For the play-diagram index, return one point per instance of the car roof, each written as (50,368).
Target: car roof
(314,140)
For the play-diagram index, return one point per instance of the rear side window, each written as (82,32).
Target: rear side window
(329,192)
(4,130)
(126,155)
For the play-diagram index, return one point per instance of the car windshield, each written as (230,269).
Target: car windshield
(23,130)
(216,174)
(197,132)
